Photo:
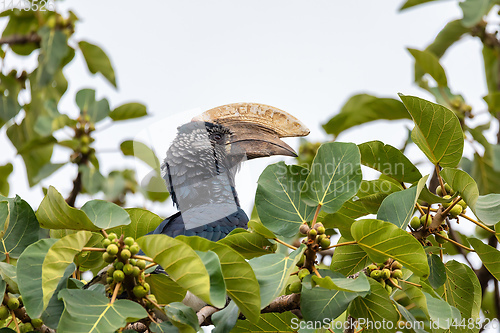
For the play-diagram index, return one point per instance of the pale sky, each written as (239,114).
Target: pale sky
(306,58)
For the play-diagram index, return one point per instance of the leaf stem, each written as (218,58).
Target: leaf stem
(115,292)
(286,244)
(441,252)
(412,283)
(456,243)
(15,321)
(419,208)
(104,233)
(135,256)
(95,249)
(150,265)
(342,244)
(441,183)
(316,215)
(429,208)
(447,210)
(316,272)
(477,222)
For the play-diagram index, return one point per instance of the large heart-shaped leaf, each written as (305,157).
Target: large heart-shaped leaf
(375,307)
(19,229)
(335,176)
(180,262)
(217,284)
(363,108)
(105,214)
(278,199)
(55,213)
(383,240)
(319,303)
(489,256)
(29,275)
(142,222)
(90,311)
(389,160)
(241,284)
(398,207)
(348,259)
(437,131)
(272,272)
(59,256)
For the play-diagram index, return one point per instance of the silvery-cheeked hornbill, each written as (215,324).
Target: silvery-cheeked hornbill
(201,163)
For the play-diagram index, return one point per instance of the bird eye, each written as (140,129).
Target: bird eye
(217,137)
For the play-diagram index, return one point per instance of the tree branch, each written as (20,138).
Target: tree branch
(21,39)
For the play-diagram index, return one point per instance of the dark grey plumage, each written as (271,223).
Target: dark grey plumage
(199,170)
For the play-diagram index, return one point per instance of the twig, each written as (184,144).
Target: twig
(205,313)
(441,252)
(456,243)
(21,39)
(104,233)
(77,187)
(316,215)
(115,292)
(450,207)
(429,208)
(286,244)
(477,222)
(150,265)
(342,244)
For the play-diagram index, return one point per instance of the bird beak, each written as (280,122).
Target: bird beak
(256,128)
(256,141)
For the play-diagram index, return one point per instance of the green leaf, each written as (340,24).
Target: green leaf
(412,3)
(463,290)
(450,34)
(357,285)
(96,110)
(55,213)
(339,221)
(89,311)
(272,272)
(363,108)
(348,259)
(92,180)
(241,283)
(437,276)
(335,176)
(439,311)
(142,152)
(429,63)
(437,131)
(29,272)
(383,240)
(375,307)
(278,199)
(59,256)
(489,256)
(128,111)
(248,244)
(165,289)
(9,275)
(53,312)
(97,61)
(20,230)
(398,207)
(319,303)
(9,105)
(5,171)
(217,285)
(388,160)
(163,327)
(183,317)
(105,215)
(22,25)
(225,319)
(268,322)
(180,261)
(142,222)
(408,316)
(474,10)
(53,49)
(258,228)
(491,67)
